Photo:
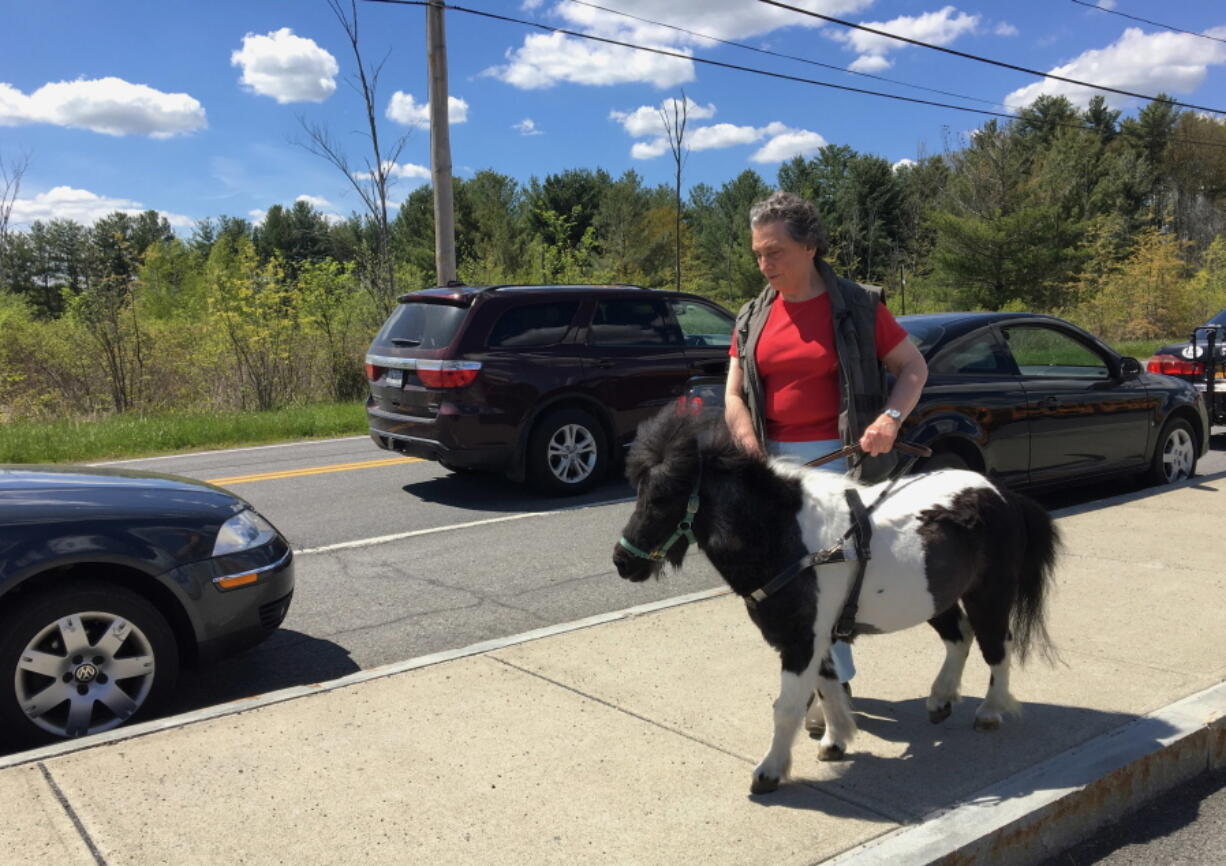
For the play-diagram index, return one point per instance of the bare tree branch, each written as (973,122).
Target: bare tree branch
(10,188)
(674,129)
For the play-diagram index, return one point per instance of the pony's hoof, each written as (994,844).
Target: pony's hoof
(940,714)
(816,730)
(987,723)
(764,785)
(831,753)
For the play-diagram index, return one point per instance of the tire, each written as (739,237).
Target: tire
(942,460)
(568,453)
(106,682)
(1175,454)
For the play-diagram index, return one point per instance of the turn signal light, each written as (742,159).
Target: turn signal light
(1169,365)
(238,580)
(448,374)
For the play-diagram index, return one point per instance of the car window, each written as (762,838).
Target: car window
(1041,351)
(533,325)
(978,356)
(702,325)
(923,334)
(426,326)
(632,322)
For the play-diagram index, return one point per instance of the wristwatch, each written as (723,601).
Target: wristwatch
(893,413)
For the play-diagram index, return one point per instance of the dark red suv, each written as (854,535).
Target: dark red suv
(544,383)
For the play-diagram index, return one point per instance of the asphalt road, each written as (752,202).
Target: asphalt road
(398,558)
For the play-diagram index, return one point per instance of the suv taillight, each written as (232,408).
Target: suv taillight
(1171,366)
(447,374)
(372,372)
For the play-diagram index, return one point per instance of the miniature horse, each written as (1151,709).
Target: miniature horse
(937,539)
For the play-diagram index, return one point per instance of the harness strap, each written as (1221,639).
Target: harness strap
(821,557)
(862,530)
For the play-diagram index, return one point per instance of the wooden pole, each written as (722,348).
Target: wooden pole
(440,145)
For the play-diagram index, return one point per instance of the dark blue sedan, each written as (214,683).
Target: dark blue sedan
(110,580)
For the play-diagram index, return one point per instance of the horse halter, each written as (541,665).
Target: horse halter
(685,529)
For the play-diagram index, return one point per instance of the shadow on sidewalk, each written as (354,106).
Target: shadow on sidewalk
(943,764)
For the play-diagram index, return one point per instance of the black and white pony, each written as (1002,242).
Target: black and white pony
(948,547)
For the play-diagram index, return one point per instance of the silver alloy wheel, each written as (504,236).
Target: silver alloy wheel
(571,453)
(84,673)
(1178,455)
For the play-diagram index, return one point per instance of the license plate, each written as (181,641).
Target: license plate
(395,377)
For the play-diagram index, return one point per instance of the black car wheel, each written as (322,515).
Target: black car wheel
(83,659)
(1175,457)
(567,453)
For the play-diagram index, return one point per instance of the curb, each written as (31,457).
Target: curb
(1052,806)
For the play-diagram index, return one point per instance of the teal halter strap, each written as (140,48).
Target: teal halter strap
(685,529)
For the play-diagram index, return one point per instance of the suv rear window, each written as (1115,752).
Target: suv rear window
(533,325)
(426,326)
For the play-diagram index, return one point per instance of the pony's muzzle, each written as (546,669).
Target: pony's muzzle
(630,566)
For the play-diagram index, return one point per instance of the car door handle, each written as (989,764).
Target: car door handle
(1049,402)
(605,362)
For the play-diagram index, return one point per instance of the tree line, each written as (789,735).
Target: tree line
(1117,224)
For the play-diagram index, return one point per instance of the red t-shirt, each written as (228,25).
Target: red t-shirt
(798,364)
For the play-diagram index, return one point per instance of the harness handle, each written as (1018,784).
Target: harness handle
(848,450)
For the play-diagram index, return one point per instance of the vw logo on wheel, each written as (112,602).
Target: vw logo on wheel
(86,673)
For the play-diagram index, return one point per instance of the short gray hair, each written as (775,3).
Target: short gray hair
(799,217)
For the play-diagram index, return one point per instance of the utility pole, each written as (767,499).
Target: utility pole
(440,145)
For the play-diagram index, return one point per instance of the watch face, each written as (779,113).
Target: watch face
(893,413)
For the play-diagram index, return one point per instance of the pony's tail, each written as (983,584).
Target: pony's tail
(1041,543)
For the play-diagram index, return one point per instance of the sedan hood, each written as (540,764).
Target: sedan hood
(14,478)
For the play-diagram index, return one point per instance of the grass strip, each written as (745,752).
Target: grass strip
(120,436)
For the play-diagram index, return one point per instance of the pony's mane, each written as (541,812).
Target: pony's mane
(679,438)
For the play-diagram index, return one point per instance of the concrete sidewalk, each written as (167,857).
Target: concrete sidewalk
(631,739)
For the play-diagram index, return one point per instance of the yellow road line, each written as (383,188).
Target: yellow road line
(314,470)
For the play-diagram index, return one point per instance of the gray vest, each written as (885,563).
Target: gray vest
(862,384)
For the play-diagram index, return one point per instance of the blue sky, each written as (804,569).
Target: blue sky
(192,108)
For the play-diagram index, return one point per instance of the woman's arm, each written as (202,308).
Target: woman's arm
(908,365)
(736,410)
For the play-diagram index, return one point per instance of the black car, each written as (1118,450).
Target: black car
(544,383)
(1201,361)
(1036,402)
(110,580)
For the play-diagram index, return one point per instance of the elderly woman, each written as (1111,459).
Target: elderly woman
(810,354)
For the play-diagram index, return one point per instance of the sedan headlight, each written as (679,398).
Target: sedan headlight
(243,531)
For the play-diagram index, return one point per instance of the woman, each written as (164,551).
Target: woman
(809,354)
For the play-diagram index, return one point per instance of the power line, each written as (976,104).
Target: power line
(980,59)
(784,56)
(753,70)
(1147,21)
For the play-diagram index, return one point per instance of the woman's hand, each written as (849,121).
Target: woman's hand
(879,436)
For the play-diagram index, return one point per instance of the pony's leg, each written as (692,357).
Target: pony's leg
(815,718)
(991,625)
(836,710)
(955,630)
(795,690)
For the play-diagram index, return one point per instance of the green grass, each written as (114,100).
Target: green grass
(122,436)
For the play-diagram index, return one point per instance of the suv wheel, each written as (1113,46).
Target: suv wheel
(567,452)
(83,659)
(1175,455)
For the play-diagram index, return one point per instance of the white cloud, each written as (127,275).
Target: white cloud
(543,60)
(527,126)
(83,206)
(645,120)
(257,216)
(649,149)
(529,5)
(286,67)
(1004,28)
(403,109)
(785,145)
(903,163)
(554,58)
(109,105)
(720,135)
(1106,4)
(938,28)
(870,63)
(1148,63)
(316,201)
(400,170)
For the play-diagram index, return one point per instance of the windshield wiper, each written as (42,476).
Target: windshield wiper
(403,341)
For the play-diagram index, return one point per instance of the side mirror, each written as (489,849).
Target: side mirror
(1129,368)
